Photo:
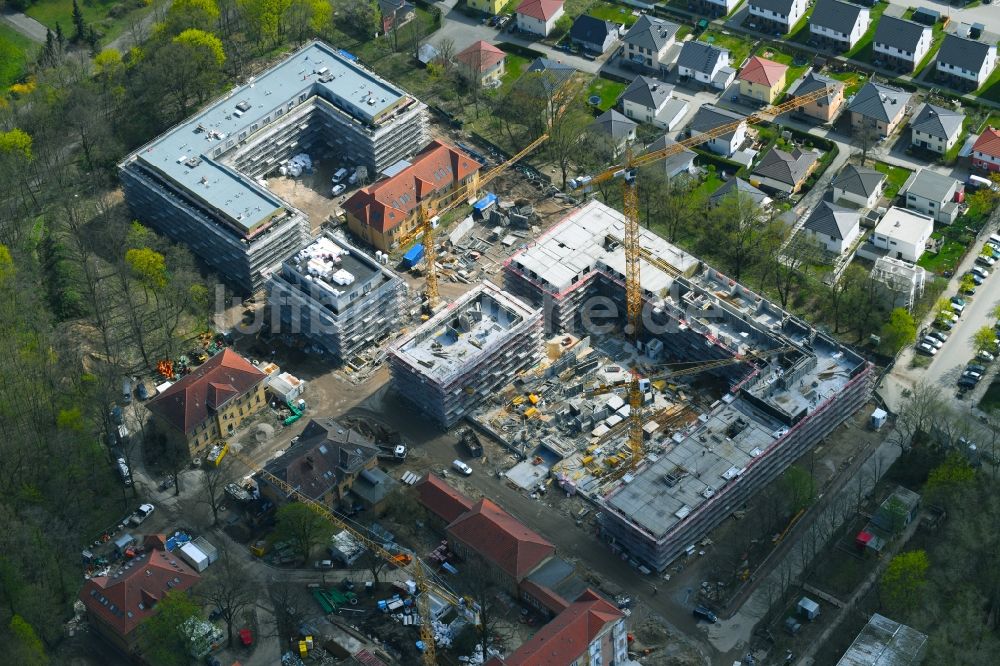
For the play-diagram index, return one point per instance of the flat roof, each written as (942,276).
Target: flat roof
(578,245)
(885,642)
(336,268)
(904,225)
(464,332)
(185,153)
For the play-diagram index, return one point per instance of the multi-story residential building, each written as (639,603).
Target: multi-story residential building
(762,80)
(936,128)
(715,8)
(878,109)
(198,183)
(538,17)
(594,34)
(838,25)
(386,212)
(209,404)
(777,16)
(986,150)
(336,297)
(901,44)
(651,101)
(785,172)
(647,42)
(825,109)
(965,63)
(616,129)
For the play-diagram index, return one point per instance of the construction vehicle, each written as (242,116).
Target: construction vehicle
(470,441)
(297,411)
(627,172)
(413,565)
(430,211)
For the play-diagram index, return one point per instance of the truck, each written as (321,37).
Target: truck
(470,441)
(238,492)
(391,452)
(141,514)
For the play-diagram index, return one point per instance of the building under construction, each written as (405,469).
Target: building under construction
(466,352)
(199,182)
(337,298)
(793,386)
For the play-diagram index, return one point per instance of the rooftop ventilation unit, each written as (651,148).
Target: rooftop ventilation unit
(243,106)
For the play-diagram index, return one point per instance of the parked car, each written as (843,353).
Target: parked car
(967,383)
(972,374)
(983,260)
(117,415)
(985,356)
(980,271)
(123,471)
(340,175)
(141,391)
(975,367)
(141,514)
(337,189)
(957,308)
(703,613)
(934,342)
(926,348)
(977,279)
(461,467)
(940,335)
(946,324)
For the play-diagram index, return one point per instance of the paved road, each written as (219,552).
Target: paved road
(988,15)
(25,25)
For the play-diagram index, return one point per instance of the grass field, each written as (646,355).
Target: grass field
(613,13)
(800,31)
(513,68)
(896,176)
(108,17)
(608,90)
(852,81)
(14,51)
(946,259)
(794,70)
(863,49)
(738,48)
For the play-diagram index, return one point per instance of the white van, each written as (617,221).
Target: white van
(340,175)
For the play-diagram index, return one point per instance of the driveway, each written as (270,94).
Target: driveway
(24,24)
(988,15)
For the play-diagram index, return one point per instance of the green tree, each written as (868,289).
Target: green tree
(305,17)
(193,61)
(904,580)
(166,644)
(363,19)
(741,235)
(29,647)
(148,265)
(984,339)
(16,143)
(184,14)
(966,284)
(79,24)
(899,331)
(303,527)
(263,18)
(562,27)
(949,478)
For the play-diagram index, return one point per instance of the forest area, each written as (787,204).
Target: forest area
(87,295)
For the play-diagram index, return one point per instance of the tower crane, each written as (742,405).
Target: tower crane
(628,171)
(415,567)
(428,208)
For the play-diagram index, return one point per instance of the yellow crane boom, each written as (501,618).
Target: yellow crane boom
(633,251)
(415,567)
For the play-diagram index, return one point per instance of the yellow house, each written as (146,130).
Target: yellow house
(211,403)
(481,61)
(762,80)
(489,6)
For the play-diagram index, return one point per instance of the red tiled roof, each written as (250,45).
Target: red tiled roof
(765,72)
(481,54)
(548,598)
(563,640)
(542,10)
(125,598)
(500,538)
(222,377)
(441,499)
(988,142)
(385,204)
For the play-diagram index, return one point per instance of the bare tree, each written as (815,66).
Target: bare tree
(212,489)
(482,588)
(229,588)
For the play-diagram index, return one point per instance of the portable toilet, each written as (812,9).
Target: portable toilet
(808,608)
(878,418)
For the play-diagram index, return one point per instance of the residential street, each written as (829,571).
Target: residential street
(988,15)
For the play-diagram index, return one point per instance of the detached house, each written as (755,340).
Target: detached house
(932,194)
(901,234)
(965,63)
(385,211)
(710,117)
(762,80)
(878,108)
(647,100)
(935,128)
(678,164)
(395,14)
(986,150)
(860,186)
(785,172)
(825,109)
(901,44)
(538,17)
(776,16)
(618,129)
(594,34)
(836,228)
(740,188)
(705,63)
(210,403)
(481,62)
(715,8)
(647,41)
(838,25)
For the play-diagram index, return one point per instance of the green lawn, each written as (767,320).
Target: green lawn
(991,89)
(108,17)
(711,183)
(14,50)
(896,176)
(936,40)
(513,68)
(863,49)
(852,81)
(800,31)
(613,13)
(608,90)
(794,70)
(738,48)
(946,259)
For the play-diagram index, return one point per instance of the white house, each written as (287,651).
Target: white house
(902,234)
(901,44)
(860,186)
(838,24)
(966,62)
(647,42)
(538,17)
(778,16)
(932,194)
(705,63)
(647,100)
(834,227)
(936,128)
(715,7)
(710,117)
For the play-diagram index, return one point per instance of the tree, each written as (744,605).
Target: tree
(899,331)
(363,18)
(184,14)
(230,589)
(307,16)
(984,339)
(481,586)
(966,284)
(563,144)
(263,20)
(867,135)
(740,234)
(561,27)
(303,527)
(212,493)
(995,312)
(195,62)
(949,479)
(162,635)
(28,648)
(789,267)
(904,580)
(79,24)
